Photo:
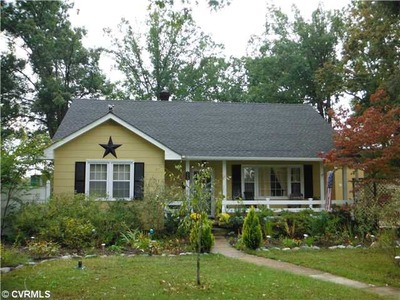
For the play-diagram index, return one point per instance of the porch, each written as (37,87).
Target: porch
(278,184)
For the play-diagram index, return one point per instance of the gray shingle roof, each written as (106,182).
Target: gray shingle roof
(207,129)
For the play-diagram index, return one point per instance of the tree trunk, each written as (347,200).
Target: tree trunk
(199,250)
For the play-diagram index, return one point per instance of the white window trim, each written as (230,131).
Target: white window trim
(289,185)
(110,179)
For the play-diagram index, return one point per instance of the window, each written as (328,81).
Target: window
(272,181)
(249,182)
(98,180)
(295,182)
(278,179)
(112,180)
(121,181)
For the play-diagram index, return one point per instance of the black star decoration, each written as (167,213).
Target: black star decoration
(110,148)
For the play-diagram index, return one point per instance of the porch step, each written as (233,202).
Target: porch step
(218,231)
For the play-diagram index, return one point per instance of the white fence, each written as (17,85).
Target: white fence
(38,195)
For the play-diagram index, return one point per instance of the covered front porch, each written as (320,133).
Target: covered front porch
(290,184)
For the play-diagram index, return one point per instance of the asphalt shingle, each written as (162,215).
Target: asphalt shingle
(208,129)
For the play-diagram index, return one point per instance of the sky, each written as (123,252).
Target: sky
(231,26)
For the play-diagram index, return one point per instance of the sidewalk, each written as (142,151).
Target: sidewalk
(223,247)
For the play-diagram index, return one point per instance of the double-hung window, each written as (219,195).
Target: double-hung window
(272,181)
(110,180)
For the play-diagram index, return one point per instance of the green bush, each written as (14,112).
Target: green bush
(78,233)
(207,238)
(43,249)
(75,221)
(138,240)
(11,257)
(223,219)
(252,234)
(236,223)
(29,221)
(112,219)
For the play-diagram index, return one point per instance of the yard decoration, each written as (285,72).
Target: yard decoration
(110,148)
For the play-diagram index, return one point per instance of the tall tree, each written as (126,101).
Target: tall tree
(13,88)
(214,78)
(62,69)
(371,50)
(298,61)
(172,54)
(369,140)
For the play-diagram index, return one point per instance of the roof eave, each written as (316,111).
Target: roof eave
(235,158)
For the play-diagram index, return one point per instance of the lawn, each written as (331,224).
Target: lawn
(373,266)
(144,277)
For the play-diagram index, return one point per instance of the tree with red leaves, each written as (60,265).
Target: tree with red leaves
(369,140)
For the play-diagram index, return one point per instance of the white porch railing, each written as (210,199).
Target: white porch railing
(230,206)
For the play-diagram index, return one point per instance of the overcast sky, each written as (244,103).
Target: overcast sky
(231,26)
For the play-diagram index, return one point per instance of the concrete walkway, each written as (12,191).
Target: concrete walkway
(223,247)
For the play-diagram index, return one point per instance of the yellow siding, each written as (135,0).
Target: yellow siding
(339,192)
(86,147)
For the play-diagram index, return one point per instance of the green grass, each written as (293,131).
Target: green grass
(373,266)
(154,277)
(12,257)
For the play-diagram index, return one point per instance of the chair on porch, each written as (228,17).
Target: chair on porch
(295,196)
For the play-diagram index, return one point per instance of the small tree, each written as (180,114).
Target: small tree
(252,233)
(20,153)
(200,193)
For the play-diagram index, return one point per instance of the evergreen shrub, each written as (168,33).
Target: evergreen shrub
(207,238)
(252,233)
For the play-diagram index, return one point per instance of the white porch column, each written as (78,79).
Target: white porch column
(322,183)
(224,181)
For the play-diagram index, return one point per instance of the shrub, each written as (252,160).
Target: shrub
(207,238)
(139,240)
(78,233)
(75,221)
(236,223)
(29,221)
(112,219)
(252,234)
(291,243)
(223,219)
(11,257)
(43,249)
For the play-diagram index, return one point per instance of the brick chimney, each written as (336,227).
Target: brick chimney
(164,95)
